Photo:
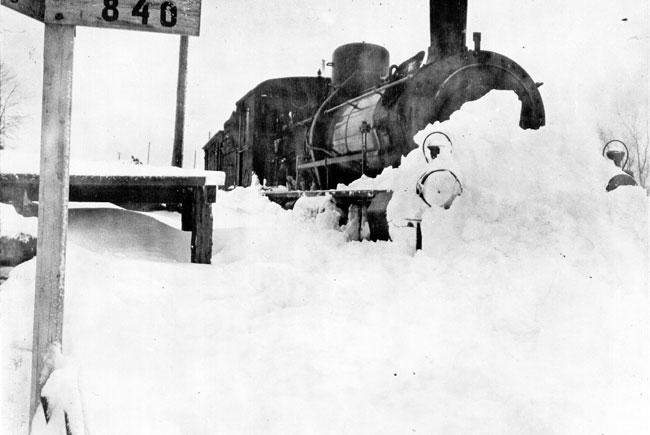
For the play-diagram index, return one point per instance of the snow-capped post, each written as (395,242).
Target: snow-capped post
(53,192)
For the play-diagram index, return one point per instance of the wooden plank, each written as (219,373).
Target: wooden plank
(53,197)
(150,181)
(202,228)
(129,194)
(32,8)
(109,192)
(114,180)
(181,17)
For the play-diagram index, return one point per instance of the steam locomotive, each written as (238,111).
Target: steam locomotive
(315,132)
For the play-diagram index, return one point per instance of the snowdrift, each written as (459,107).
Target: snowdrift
(526,312)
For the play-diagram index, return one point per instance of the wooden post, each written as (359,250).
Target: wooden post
(177,153)
(187,212)
(202,227)
(53,201)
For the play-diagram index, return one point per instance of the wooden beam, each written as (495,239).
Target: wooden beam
(201,227)
(117,189)
(187,213)
(53,201)
(113,180)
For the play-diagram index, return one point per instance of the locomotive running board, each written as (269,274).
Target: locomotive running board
(295,194)
(330,161)
(376,202)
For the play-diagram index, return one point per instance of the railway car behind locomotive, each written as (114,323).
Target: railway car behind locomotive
(315,132)
(257,136)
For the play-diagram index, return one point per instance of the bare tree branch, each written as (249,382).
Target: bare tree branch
(631,127)
(10,102)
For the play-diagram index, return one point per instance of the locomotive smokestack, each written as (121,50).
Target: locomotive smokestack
(447,23)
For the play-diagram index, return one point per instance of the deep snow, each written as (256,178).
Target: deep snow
(526,312)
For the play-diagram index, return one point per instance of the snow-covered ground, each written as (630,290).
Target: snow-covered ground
(526,312)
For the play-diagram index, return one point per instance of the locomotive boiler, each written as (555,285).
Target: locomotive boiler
(315,132)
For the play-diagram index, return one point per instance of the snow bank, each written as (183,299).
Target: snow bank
(526,311)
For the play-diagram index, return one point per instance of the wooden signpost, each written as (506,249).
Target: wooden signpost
(180,17)
(60,17)
(53,201)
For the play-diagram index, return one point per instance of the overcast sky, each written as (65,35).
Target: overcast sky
(591,55)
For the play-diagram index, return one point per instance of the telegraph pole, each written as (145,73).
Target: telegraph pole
(177,153)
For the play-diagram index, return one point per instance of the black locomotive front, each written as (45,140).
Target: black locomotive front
(313,133)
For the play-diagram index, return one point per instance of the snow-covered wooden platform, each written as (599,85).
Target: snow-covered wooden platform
(194,190)
(168,189)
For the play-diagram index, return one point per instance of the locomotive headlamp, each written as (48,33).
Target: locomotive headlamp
(616,151)
(433,143)
(438,187)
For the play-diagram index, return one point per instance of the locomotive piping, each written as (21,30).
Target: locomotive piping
(318,113)
(369,92)
(312,127)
